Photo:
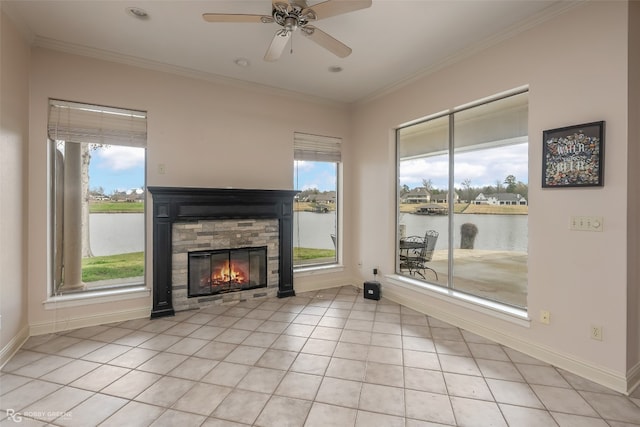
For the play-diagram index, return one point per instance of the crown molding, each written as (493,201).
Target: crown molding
(134,61)
(533,21)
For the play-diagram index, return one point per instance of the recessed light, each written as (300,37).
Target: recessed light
(138,13)
(242,62)
(335,69)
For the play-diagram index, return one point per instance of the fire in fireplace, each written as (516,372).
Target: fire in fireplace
(226,270)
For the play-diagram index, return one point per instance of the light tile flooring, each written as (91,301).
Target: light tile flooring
(327,358)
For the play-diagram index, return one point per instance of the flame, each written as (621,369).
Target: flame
(228,272)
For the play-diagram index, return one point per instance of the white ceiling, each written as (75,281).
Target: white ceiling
(392,41)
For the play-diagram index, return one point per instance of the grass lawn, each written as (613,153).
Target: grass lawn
(305,254)
(115,207)
(113,267)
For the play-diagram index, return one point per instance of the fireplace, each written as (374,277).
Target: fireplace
(189,220)
(226,270)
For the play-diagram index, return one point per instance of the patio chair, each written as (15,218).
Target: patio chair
(416,252)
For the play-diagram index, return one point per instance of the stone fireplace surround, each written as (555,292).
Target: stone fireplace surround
(186,204)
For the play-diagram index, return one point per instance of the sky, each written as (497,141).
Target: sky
(120,168)
(319,175)
(117,168)
(482,167)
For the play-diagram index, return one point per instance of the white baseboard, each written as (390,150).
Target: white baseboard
(318,285)
(603,376)
(7,352)
(633,378)
(59,325)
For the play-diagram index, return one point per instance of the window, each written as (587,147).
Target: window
(97,164)
(316,209)
(463,200)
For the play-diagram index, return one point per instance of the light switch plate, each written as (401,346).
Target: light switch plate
(586,223)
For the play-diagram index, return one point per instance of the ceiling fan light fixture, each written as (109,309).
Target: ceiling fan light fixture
(138,13)
(290,23)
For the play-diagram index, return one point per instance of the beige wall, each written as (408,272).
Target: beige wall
(205,133)
(576,69)
(14,113)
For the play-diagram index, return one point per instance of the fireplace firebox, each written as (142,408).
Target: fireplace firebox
(226,270)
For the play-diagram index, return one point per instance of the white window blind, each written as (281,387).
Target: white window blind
(316,148)
(76,122)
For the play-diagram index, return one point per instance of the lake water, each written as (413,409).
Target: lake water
(314,230)
(122,233)
(495,232)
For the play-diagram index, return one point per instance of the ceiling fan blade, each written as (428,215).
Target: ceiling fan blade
(277,45)
(230,17)
(326,41)
(331,8)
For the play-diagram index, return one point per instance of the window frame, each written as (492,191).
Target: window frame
(134,289)
(462,297)
(326,154)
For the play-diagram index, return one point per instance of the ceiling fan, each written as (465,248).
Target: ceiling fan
(293,15)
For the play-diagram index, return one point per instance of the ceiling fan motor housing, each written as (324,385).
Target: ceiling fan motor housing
(291,16)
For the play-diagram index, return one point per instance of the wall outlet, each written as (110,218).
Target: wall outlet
(545,317)
(375,271)
(596,333)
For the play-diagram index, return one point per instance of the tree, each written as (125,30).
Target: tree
(498,186)
(488,189)
(510,181)
(522,189)
(466,184)
(85,158)
(427,184)
(97,191)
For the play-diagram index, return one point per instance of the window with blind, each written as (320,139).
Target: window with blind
(317,164)
(97,165)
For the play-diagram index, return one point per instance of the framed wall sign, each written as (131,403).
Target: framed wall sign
(573,156)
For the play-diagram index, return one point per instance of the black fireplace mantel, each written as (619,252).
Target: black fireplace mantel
(182,204)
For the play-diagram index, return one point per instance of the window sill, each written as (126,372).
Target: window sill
(491,308)
(318,269)
(96,297)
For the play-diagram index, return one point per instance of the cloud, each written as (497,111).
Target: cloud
(315,175)
(309,186)
(119,158)
(413,172)
(304,165)
(482,167)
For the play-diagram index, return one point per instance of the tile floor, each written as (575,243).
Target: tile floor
(327,358)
